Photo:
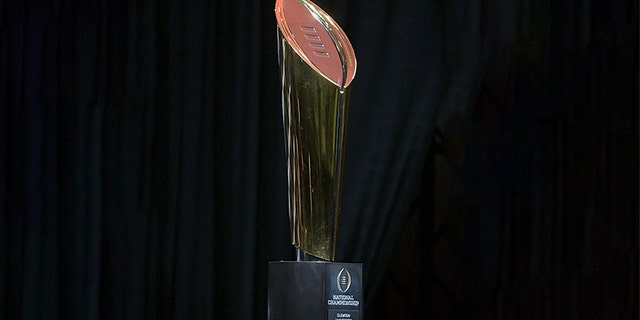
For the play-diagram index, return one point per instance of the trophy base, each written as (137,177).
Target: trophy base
(315,290)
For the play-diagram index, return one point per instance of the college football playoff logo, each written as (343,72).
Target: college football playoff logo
(343,280)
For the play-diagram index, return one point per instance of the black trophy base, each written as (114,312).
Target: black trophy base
(315,290)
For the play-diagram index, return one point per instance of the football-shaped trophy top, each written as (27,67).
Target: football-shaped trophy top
(317,39)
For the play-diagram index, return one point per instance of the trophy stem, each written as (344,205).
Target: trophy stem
(301,255)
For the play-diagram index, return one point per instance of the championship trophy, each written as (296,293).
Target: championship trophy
(317,64)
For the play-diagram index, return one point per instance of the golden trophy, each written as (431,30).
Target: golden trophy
(317,65)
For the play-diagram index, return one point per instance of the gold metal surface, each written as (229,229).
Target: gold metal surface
(317,65)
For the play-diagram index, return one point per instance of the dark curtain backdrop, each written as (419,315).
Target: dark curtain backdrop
(142,162)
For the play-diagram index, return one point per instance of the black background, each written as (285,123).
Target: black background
(491,168)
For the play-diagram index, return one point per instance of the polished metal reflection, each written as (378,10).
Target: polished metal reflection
(317,65)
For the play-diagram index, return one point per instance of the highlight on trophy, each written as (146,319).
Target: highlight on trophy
(317,64)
